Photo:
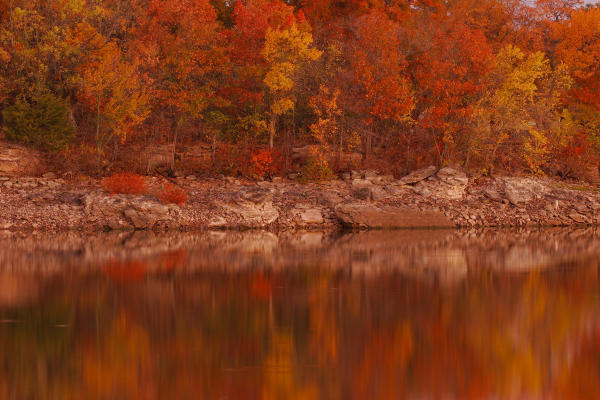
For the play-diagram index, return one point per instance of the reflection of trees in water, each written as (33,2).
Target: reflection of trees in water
(184,323)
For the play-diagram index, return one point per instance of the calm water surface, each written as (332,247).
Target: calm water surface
(409,314)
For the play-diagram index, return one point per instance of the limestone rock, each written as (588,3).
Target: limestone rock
(449,183)
(522,190)
(128,212)
(418,175)
(312,216)
(379,193)
(493,194)
(361,183)
(363,193)
(363,215)
(252,209)
(217,221)
(16,160)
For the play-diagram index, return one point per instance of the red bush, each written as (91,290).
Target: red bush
(265,162)
(170,193)
(125,183)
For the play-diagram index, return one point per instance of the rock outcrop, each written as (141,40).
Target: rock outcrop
(16,160)
(365,199)
(250,208)
(447,183)
(129,212)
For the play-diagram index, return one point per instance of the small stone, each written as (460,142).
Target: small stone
(331,198)
(312,216)
(356,175)
(371,174)
(361,183)
(49,175)
(191,177)
(580,219)
(379,193)
(217,222)
(492,194)
(386,178)
(363,193)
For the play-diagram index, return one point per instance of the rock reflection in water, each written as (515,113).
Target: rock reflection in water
(378,315)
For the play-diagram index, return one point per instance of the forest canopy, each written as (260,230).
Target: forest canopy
(489,85)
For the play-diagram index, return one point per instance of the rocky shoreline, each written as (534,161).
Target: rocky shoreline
(427,198)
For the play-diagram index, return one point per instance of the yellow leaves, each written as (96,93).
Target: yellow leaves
(521,107)
(279,77)
(326,108)
(517,75)
(286,51)
(282,106)
(535,150)
(289,45)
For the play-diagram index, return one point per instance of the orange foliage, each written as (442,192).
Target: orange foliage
(265,162)
(404,80)
(125,183)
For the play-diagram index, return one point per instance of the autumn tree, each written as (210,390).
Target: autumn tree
(245,89)
(578,47)
(34,55)
(286,51)
(114,89)
(181,48)
(381,89)
(448,67)
(521,108)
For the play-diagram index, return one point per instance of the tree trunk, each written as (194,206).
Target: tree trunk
(272,125)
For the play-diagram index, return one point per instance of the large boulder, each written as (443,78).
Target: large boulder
(368,216)
(16,160)
(418,175)
(448,183)
(522,190)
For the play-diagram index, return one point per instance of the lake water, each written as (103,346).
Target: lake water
(375,315)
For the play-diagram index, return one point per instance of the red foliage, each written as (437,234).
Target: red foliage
(125,183)
(170,193)
(265,162)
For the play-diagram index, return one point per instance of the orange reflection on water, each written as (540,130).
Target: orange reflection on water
(160,327)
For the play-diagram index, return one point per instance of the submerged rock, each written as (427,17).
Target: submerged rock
(361,215)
